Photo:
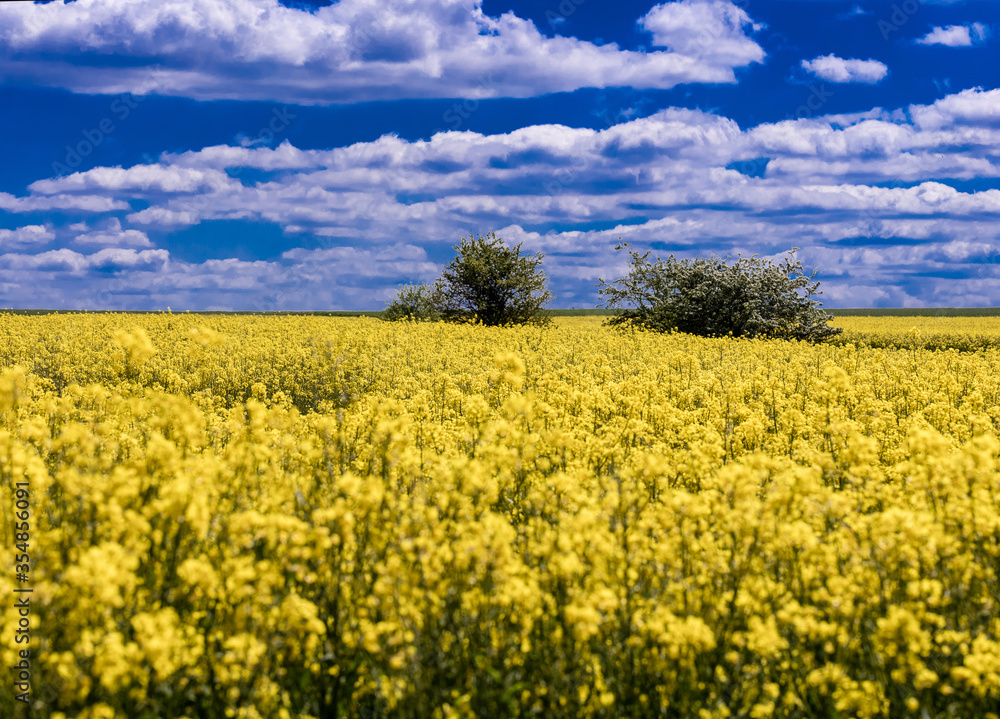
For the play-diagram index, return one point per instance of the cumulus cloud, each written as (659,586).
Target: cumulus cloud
(970,108)
(127,258)
(112,235)
(835,69)
(710,30)
(337,278)
(23,237)
(139,179)
(352,50)
(62,260)
(37,203)
(66,260)
(956,35)
(869,197)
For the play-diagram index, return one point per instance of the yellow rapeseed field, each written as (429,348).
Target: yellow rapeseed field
(315,517)
(962,333)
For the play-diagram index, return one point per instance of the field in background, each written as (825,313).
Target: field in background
(872,312)
(308,516)
(957,332)
(919,312)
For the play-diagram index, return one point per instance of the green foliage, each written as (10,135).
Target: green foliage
(494,284)
(413,302)
(487,282)
(752,297)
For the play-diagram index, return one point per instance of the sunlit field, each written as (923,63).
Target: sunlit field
(960,333)
(341,517)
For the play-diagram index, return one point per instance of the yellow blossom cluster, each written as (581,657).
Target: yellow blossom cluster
(330,517)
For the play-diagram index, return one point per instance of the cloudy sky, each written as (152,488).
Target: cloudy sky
(268,155)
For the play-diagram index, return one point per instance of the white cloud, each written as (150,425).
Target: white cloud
(338,278)
(835,69)
(23,237)
(711,30)
(121,257)
(66,260)
(350,51)
(283,157)
(956,35)
(141,178)
(673,159)
(164,218)
(112,235)
(969,107)
(84,203)
(370,216)
(54,260)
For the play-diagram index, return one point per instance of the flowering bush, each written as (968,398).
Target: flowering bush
(752,297)
(415,520)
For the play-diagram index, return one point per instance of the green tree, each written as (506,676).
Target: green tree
(487,281)
(413,302)
(752,297)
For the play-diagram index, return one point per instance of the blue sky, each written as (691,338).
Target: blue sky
(259,155)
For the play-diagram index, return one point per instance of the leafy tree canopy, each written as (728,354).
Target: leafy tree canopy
(752,297)
(487,281)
